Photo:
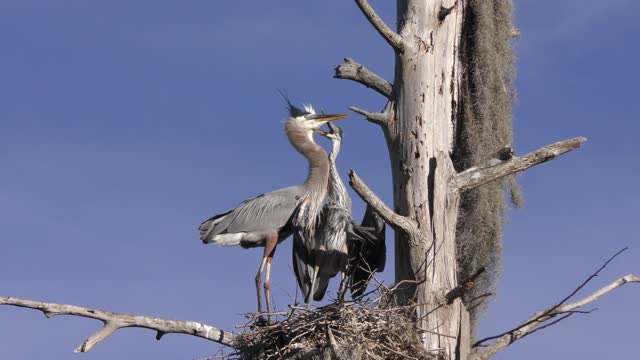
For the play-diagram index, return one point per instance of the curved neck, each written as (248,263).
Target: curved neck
(337,191)
(334,151)
(315,186)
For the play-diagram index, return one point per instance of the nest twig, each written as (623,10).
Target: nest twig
(356,329)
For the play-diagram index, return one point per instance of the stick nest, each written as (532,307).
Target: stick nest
(359,330)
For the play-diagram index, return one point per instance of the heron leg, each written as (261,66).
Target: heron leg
(267,291)
(258,279)
(269,250)
(313,282)
(343,286)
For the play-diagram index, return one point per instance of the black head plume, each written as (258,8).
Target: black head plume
(293,111)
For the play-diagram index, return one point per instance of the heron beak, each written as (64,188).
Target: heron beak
(321,132)
(323,118)
(332,128)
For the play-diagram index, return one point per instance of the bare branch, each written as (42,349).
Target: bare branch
(591,277)
(563,317)
(97,337)
(496,168)
(379,118)
(398,222)
(385,31)
(352,70)
(464,286)
(604,290)
(539,320)
(115,321)
(558,305)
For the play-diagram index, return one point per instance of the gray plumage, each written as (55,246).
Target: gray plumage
(330,245)
(306,217)
(245,224)
(267,219)
(340,244)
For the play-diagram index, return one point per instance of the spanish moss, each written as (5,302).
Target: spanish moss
(485,126)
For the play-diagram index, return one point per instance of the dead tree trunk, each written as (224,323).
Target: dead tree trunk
(420,124)
(420,138)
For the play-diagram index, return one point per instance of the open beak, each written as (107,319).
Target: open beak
(321,132)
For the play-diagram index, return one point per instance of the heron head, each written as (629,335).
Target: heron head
(312,121)
(307,117)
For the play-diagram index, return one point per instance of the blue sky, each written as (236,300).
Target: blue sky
(124,124)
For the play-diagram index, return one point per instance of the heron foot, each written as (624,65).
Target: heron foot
(262,321)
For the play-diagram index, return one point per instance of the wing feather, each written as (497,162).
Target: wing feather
(367,251)
(265,212)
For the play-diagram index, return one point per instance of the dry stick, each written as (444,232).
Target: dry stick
(555,307)
(567,314)
(457,292)
(379,118)
(398,353)
(533,323)
(396,221)
(464,286)
(331,341)
(115,321)
(496,169)
(509,338)
(352,70)
(385,31)
(593,275)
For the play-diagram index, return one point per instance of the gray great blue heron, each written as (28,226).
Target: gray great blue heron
(327,252)
(265,220)
(365,243)
(339,245)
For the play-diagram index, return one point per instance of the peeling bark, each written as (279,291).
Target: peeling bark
(426,89)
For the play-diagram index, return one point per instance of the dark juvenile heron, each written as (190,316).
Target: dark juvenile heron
(265,220)
(367,251)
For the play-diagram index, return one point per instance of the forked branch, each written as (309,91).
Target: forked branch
(540,320)
(355,71)
(496,168)
(383,29)
(115,321)
(396,221)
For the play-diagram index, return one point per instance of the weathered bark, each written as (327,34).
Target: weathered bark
(420,138)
